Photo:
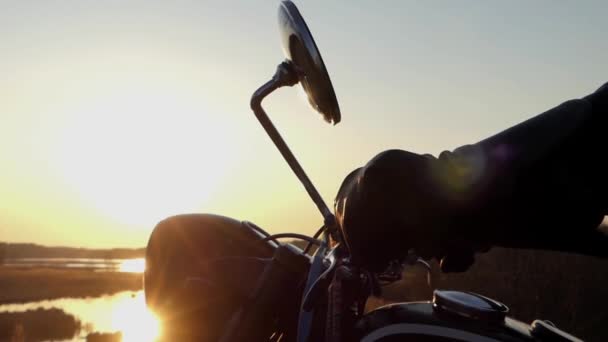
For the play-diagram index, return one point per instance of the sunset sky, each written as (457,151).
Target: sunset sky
(115,114)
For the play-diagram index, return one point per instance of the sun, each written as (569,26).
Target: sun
(139,156)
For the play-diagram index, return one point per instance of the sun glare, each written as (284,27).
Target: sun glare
(140,156)
(133,265)
(136,322)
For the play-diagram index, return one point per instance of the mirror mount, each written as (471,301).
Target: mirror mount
(287,75)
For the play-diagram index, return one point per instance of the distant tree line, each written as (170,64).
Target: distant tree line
(30,250)
(2,252)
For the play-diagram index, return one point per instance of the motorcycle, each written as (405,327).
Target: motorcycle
(213,278)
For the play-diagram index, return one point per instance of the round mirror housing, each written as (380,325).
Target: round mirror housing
(301,49)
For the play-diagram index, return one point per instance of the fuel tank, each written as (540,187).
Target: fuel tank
(453,316)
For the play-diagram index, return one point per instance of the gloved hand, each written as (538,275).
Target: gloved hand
(389,207)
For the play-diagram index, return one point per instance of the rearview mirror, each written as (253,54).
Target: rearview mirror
(300,48)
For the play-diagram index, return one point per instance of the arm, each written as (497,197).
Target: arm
(539,184)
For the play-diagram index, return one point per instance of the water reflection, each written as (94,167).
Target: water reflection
(135,321)
(133,265)
(136,265)
(125,312)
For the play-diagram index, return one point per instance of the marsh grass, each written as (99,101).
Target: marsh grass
(104,337)
(38,325)
(46,325)
(569,290)
(20,285)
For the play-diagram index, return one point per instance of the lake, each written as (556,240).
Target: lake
(123,312)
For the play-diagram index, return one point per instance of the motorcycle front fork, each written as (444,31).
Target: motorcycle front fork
(346,297)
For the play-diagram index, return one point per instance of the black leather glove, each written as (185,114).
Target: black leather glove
(392,205)
(540,184)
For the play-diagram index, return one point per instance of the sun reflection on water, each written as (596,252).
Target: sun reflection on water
(133,265)
(124,312)
(136,322)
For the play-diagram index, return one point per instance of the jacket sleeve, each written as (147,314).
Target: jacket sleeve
(540,184)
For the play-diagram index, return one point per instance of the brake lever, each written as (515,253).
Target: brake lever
(429,271)
(412,259)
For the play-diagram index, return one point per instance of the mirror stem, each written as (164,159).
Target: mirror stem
(287,75)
